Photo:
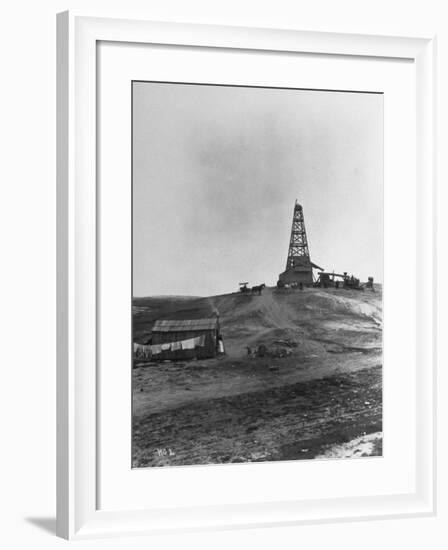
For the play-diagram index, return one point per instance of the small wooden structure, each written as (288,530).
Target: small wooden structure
(194,338)
(369,283)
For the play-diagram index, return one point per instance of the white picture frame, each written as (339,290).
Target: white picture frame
(78,515)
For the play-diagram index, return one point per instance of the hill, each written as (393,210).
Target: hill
(239,408)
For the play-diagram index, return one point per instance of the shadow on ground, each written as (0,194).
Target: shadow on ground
(45,524)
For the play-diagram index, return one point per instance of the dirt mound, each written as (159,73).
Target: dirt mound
(309,317)
(316,319)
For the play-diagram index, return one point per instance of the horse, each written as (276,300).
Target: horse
(258,289)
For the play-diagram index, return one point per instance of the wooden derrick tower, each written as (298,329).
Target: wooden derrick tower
(299,267)
(298,252)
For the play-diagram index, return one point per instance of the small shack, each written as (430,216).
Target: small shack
(186,339)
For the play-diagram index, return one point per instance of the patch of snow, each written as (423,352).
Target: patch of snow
(361,446)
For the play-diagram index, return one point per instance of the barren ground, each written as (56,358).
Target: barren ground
(324,400)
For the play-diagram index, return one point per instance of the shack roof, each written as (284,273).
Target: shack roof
(185,325)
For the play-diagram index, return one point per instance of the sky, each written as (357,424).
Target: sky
(217,170)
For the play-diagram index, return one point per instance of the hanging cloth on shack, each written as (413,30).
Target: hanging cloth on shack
(156,349)
(190,343)
(142,352)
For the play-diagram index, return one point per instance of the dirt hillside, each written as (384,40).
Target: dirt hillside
(325,392)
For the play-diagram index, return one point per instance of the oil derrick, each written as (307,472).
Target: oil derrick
(298,252)
(299,267)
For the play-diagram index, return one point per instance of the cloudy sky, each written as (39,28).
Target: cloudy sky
(216,171)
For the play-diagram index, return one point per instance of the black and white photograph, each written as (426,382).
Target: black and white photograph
(257,274)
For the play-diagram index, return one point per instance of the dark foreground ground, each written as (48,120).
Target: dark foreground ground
(323,400)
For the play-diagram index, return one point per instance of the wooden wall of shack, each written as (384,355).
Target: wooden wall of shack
(208,350)
(302,275)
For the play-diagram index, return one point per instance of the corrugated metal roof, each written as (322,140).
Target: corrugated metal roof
(166,325)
